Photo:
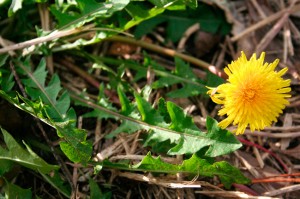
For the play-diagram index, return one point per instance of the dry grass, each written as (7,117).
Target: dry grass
(270,158)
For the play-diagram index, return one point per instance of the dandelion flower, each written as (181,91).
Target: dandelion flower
(253,95)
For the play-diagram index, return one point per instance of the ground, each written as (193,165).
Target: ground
(115,71)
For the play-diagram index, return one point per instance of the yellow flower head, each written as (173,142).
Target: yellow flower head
(254,94)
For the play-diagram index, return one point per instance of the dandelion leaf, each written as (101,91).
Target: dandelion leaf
(50,104)
(148,114)
(25,157)
(75,145)
(194,165)
(224,141)
(127,109)
(168,124)
(191,85)
(36,88)
(189,139)
(102,101)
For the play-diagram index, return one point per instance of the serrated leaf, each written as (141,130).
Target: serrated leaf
(191,85)
(220,141)
(127,109)
(148,114)
(180,121)
(195,165)
(26,158)
(189,139)
(75,146)
(55,110)
(36,88)
(222,137)
(102,101)
(182,131)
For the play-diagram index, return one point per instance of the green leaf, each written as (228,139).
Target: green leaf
(148,114)
(182,131)
(194,165)
(127,109)
(147,26)
(190,139)
(74,143)
(95,190)
(191,85)
(180,121)
(187,90)
(54,109)
(35,88)
(6,76)
(102,101)
(222,139)
(3,58)
(89,11)
(5,166)
(26,158)
(14,191)
(191,3)
(163,3)
(213,80)
(140,12)
(177,22)
(75,146)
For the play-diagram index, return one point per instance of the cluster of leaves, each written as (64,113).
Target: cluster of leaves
(169,122)
(169,129)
